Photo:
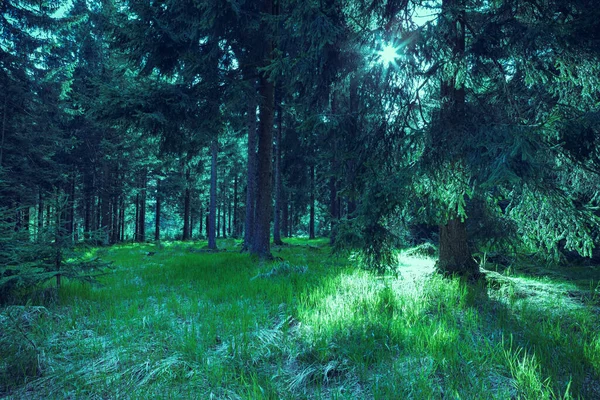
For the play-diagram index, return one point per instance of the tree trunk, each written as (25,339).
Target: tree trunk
(218,218)
(224,207)
(71,207)
(236,228)
(333,196)
(207,222)
(200,231)
(455,257)
(351,140)
(40,221)
(251,176)
(311,222)
(87,206)
(186,208)
(122,219)
(105,204)
(5,108)
(212,219)
(26,217)
(454,254)
(114,237)
(229,208)
(291,224)
(143,206)
(136,235)
(278,188)
(157,212)
(261,245)
(284,215)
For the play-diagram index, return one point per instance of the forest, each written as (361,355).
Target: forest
(300,199)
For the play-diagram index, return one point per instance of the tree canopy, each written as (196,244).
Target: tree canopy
(380,124)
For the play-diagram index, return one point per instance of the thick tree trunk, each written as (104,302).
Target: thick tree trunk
(454,254)
(261,245)
(157,212)
(251,177)
(212,218)
(278,188)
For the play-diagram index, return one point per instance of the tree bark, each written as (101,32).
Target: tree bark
(3,129)
(278,188)
(122,219)
(351,140)
(71,207)
(224,208)
(200,230)
(136,235)
(26,217)
(40,221)
(236,228)
(87,200)
(142,215)
(157,212)
(212,218)
(186,207)
(455,257)
(105,204)
(251,176)
(291,224)
(261,245)
(333,196)
(311,221)
(454,253)
(284,215)
(229,215)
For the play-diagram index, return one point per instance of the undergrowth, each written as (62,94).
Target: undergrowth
(172,322)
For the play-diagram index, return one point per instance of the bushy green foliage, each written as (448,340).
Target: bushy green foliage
(27,262)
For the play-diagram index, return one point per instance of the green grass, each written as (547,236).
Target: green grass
(172,321)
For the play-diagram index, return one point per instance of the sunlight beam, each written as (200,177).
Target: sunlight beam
(388,54)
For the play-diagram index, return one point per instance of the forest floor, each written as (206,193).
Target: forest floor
(171,321)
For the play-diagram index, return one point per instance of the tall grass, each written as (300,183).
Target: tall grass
(173,322)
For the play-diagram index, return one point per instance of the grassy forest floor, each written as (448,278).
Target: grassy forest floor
(172,321)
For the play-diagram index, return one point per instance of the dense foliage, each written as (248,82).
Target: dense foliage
(371,122)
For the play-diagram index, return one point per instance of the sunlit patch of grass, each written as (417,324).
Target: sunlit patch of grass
(173,321)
